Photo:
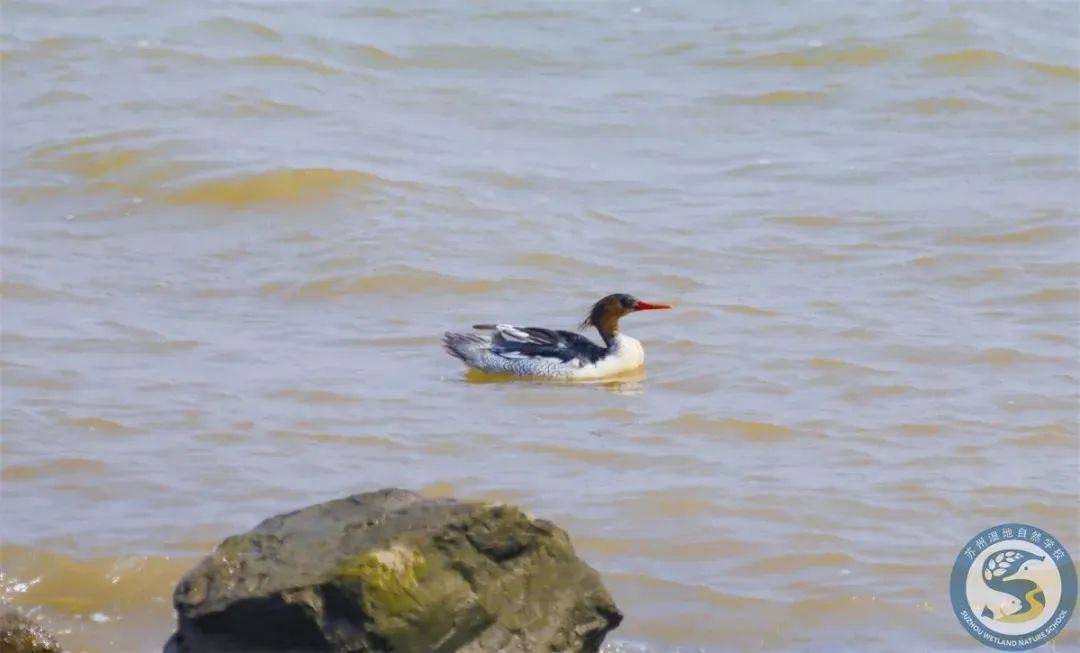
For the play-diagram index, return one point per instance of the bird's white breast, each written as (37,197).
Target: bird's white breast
(626,354)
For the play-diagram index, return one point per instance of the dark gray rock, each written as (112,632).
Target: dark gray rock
(393,571)
(20,635)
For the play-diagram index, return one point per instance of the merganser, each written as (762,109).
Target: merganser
(535,351)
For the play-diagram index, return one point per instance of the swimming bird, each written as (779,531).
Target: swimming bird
(535,351)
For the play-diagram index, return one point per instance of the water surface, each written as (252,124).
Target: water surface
(234,233)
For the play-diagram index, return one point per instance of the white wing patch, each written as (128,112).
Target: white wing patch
(512,332)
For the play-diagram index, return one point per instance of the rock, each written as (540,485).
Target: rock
(20,635)
(393,571)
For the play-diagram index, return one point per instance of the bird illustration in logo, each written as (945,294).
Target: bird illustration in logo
(1002,572)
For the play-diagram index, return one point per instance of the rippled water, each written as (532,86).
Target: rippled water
(234,232)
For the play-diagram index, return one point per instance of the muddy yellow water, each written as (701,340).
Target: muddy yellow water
(233,234)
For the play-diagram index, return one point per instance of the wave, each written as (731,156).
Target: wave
(317,397)
(947,104)
(400,282)
(238,26)
(373,441)
(696,424)
(1021,237)
(966,60)
(674,550)
(473,57)
(687,592)
(563,263)
(783,97)
(979,59)
(31,292)
(100,425)
(57,467)
(1047,435)
(1005,357)
(792,562)
(1056,70)
(288,185)
(839,365)
(811,221)
(282,61)
(72,586)
(1051,296)
(744,309)
(810,58)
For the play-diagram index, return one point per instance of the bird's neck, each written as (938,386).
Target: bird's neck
(609,330)
(610,337)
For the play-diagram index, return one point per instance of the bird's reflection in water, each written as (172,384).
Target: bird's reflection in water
(630,382)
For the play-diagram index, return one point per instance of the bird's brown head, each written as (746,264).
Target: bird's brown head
(605,313)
